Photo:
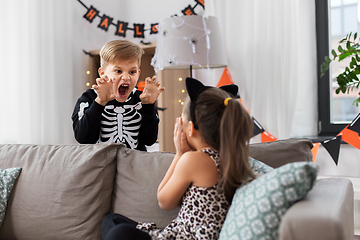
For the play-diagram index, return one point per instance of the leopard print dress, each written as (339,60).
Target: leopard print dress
(201,215)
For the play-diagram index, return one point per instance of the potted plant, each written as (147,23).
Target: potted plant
(349,48)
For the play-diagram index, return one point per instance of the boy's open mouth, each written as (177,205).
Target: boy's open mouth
(123,90)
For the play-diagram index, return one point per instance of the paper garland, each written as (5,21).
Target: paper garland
(314,150)
(350,134)
(122,27)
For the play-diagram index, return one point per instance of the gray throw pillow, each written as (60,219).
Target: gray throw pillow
(8,178)
(280,152)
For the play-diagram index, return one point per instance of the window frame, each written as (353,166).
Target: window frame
(325,127)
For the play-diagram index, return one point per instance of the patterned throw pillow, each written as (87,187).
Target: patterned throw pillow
(8,178)
(259,166)
(257,207)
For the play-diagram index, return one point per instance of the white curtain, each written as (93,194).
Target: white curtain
(271,53)
(36,69)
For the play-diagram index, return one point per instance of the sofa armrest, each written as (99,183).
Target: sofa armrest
(326,213)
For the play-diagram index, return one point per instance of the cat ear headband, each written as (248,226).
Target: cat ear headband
(195,87)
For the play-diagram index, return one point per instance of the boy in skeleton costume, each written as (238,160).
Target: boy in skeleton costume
(113,110)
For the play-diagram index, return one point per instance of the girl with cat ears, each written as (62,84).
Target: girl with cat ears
(225,126)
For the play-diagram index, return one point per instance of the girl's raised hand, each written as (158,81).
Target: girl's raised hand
(180,141)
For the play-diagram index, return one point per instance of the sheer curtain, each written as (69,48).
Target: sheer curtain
(271,52)
(36,67)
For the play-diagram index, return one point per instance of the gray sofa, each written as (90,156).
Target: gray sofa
(64,191)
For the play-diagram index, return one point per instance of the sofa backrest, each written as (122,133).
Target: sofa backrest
(63,191)
(138,177)
(139,174)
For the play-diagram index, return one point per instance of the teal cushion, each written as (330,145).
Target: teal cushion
(259,166)
(257,207)
(8,178)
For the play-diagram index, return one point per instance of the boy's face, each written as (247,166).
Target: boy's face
(125,73)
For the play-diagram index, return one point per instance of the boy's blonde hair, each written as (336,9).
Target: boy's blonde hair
(119,50)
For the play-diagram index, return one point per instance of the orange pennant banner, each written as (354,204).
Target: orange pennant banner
(314,150)
(351,137)
(267,137)
(225,79)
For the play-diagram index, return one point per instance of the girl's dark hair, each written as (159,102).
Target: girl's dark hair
(228,130)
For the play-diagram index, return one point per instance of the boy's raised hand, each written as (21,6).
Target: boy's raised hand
(151,91)
(104,89)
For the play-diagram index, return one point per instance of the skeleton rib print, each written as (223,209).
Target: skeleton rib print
(121,124)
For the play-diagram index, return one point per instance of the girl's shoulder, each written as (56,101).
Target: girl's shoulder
(201,168)
(195,157)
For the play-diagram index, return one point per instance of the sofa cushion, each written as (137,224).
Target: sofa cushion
(280,152)
(138,177)
(63,192)
(8,178)
(257,208)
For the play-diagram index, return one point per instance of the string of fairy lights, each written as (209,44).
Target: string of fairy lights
(181,100)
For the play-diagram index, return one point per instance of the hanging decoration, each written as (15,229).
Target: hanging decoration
(350,134)
(122,27)
(225,79)
(333,148)
(314,150)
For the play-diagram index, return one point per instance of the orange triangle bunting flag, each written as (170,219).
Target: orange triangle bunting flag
(351,137)
(225,79)
(314,150)
(267,137)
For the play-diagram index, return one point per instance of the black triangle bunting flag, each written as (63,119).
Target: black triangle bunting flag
(333,147)
(257,128)
(355,124)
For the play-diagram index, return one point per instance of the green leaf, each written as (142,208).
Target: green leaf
(357,101)
(340,49)
(327,59)
(333,52)
(344,55)
(348,46)
(357,57)
(352,76)
(355,36)
(324,67)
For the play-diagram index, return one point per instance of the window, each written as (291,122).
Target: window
(334,20)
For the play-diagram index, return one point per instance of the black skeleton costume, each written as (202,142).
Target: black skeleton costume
(129,122)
